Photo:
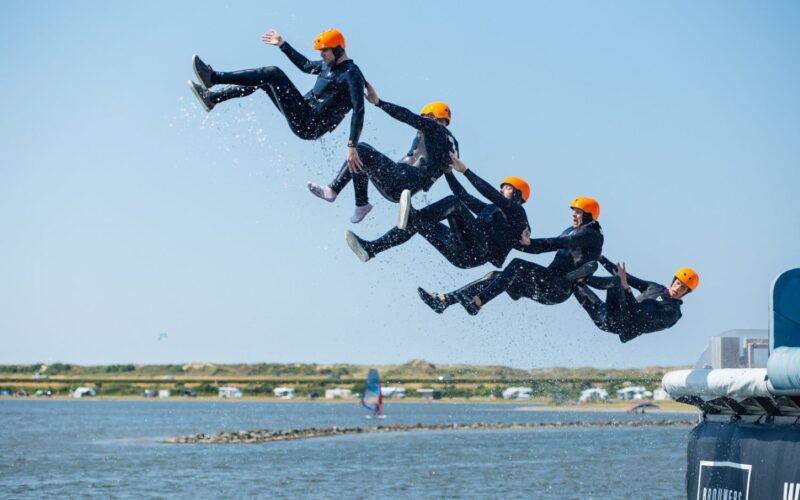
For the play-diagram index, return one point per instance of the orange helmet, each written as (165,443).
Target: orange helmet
(328,40)
(438,110)
(588,205)
(688,277)
(518,184)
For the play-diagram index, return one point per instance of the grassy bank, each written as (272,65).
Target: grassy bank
(452,382)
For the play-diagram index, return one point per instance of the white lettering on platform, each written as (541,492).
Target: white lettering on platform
(791,491)
(724,481)
(722,494)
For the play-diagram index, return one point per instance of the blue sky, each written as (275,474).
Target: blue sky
(127,211)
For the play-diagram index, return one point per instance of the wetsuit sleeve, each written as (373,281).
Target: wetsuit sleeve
(607,264)
(633,281)
(301,61)
(638,284)
(355,85)
(487,190)
(408,117)
(574,240)
(473,204)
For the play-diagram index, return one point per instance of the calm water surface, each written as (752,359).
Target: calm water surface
(109,449)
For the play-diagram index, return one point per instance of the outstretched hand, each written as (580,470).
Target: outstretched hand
(457,164)
(371,95)
(272,38)
(354,163)
(623,275)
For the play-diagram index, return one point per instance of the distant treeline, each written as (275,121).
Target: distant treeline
(64,368)
(416,369)
(312,380)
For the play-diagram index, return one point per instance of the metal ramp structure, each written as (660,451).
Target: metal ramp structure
(747,444)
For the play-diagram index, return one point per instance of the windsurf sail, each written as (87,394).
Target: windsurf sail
(371,398)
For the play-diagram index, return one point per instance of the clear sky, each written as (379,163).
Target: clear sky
(128,211)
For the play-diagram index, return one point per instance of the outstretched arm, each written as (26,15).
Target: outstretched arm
(298,59)
(633,281)
(473,204)
(400,113)
(484,188)
(574,240)
(608,265)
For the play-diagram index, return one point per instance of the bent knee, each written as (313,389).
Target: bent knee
(491,275)
(268,73)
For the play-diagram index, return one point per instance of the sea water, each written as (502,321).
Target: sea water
(110,449)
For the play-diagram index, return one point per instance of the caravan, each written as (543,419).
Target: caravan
(283,392)
(83,392)
(518,393)
(229,392)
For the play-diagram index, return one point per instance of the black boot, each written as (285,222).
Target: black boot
(203,72)
(203,95)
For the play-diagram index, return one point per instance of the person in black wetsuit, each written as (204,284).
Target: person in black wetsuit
(338,89)
(469,240)
(425,162)
(577,250)
(656,308)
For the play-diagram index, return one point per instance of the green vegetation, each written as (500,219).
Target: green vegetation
(119,368)
(454,381)
(557,385)
(19,368)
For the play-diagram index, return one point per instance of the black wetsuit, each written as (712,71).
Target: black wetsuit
(338,89)
(549,285)
(469,240)
(425,162)
(624,314)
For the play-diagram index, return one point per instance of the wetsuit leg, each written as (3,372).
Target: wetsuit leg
(230,92)
(388,177)
(440,236)
(391,239)
(600,282)
(372,160)
(620,306)
(592,304)
(448,243)
(528,279)
(460,243)
(282,92)
(360,183)
(464,241)
(451,208)
(471,289)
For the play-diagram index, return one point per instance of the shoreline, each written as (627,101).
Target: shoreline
(269,436)
(620,406)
